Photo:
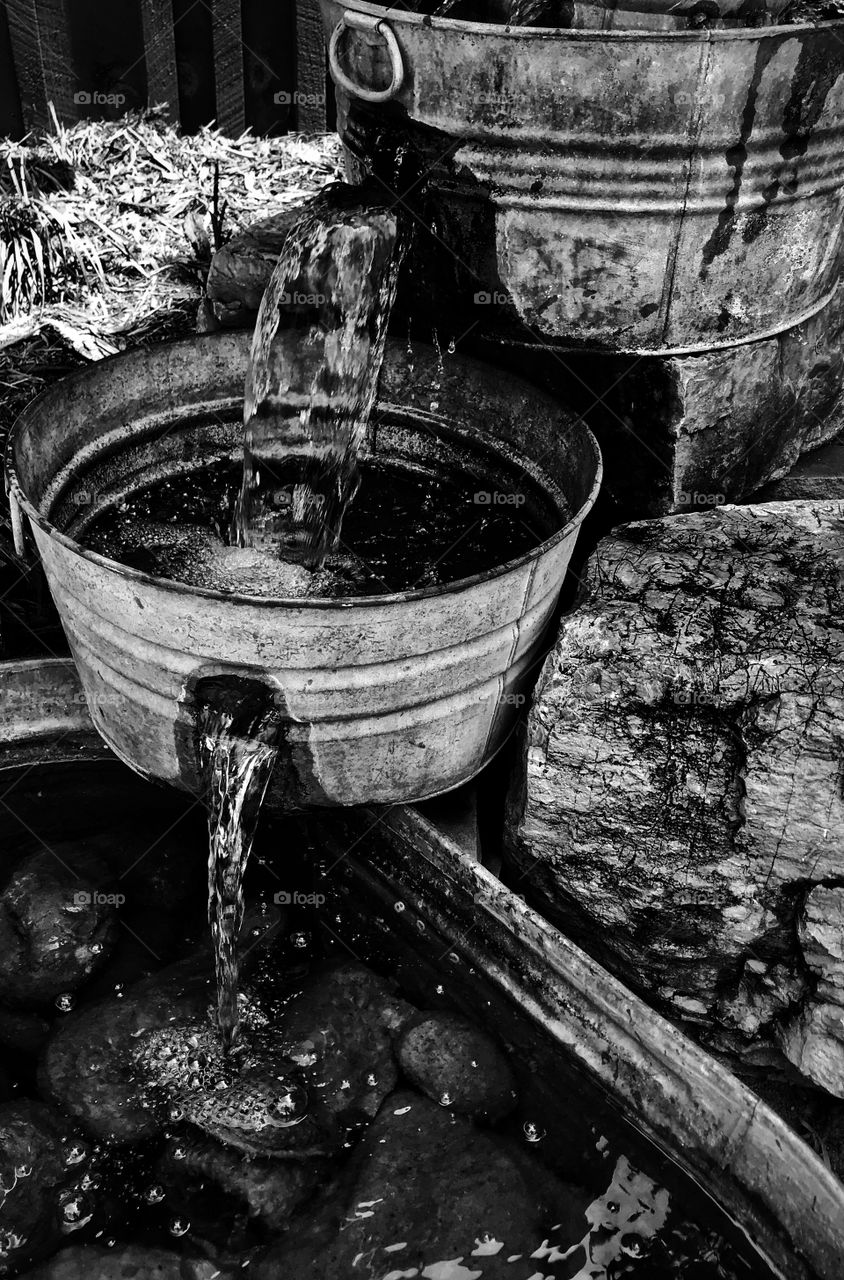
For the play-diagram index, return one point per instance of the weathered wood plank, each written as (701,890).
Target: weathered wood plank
(311,74)
(228,66)
(160,53)
(40,40)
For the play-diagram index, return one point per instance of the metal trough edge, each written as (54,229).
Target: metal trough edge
(789,1204)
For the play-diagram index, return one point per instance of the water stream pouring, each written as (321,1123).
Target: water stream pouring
(238,729)
(305,419)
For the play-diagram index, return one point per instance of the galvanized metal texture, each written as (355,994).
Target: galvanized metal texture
(659,192)
(386,697)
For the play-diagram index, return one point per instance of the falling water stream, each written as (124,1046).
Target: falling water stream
(305,418)
(237,737)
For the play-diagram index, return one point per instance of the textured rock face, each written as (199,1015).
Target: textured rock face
(683,784)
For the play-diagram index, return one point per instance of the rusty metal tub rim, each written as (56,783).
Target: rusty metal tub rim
(636,36)
(20,503)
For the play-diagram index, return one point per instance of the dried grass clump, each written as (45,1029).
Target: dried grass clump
(107,226)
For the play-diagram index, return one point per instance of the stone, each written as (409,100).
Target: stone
(457,1065)
(270,1191)
(696,431)
(429,1195)
(814,1039)
(33,1174)
(124,1262)
(818,475)
(681,782)
(340,1030)
(240,271)
(89,1065)
(57,925)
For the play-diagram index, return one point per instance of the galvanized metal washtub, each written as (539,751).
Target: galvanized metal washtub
(384,698)
(647,15)
(554,1007)
(648,192)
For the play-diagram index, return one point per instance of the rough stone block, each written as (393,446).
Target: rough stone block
(682,789)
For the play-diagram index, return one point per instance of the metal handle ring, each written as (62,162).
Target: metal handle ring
(366,22)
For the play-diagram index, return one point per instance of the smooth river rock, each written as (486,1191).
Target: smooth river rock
(681,789)
(458,1065)
(123,1262)
(430,1195)
(34,1171)
(57,925)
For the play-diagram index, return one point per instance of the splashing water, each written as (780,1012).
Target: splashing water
(237,739)
(305,418)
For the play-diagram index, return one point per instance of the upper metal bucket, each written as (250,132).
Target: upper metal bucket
(385,698)
(660,192)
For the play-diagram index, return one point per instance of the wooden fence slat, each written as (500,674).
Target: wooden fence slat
(160,55)
(40,40)
(228,66)
(310,69)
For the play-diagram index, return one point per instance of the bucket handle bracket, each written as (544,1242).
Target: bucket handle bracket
(366,22)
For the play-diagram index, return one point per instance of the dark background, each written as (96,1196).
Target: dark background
(214,60)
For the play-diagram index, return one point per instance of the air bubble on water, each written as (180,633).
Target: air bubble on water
(420,925)
(290,1106)
(398,906)
(65,1002)
(532,1132)
(452,346)
(179,1227)
(154,1194)
(73,1209)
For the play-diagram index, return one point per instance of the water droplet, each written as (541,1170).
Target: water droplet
(154,1194)
(65,1002)
(452,346)
(176,1113)
(300,940)
(532,1132)
(179,1227)
(179,1153)
(398,906)
(96,948)
(445,1099)
(75,1153)
(372,1079)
